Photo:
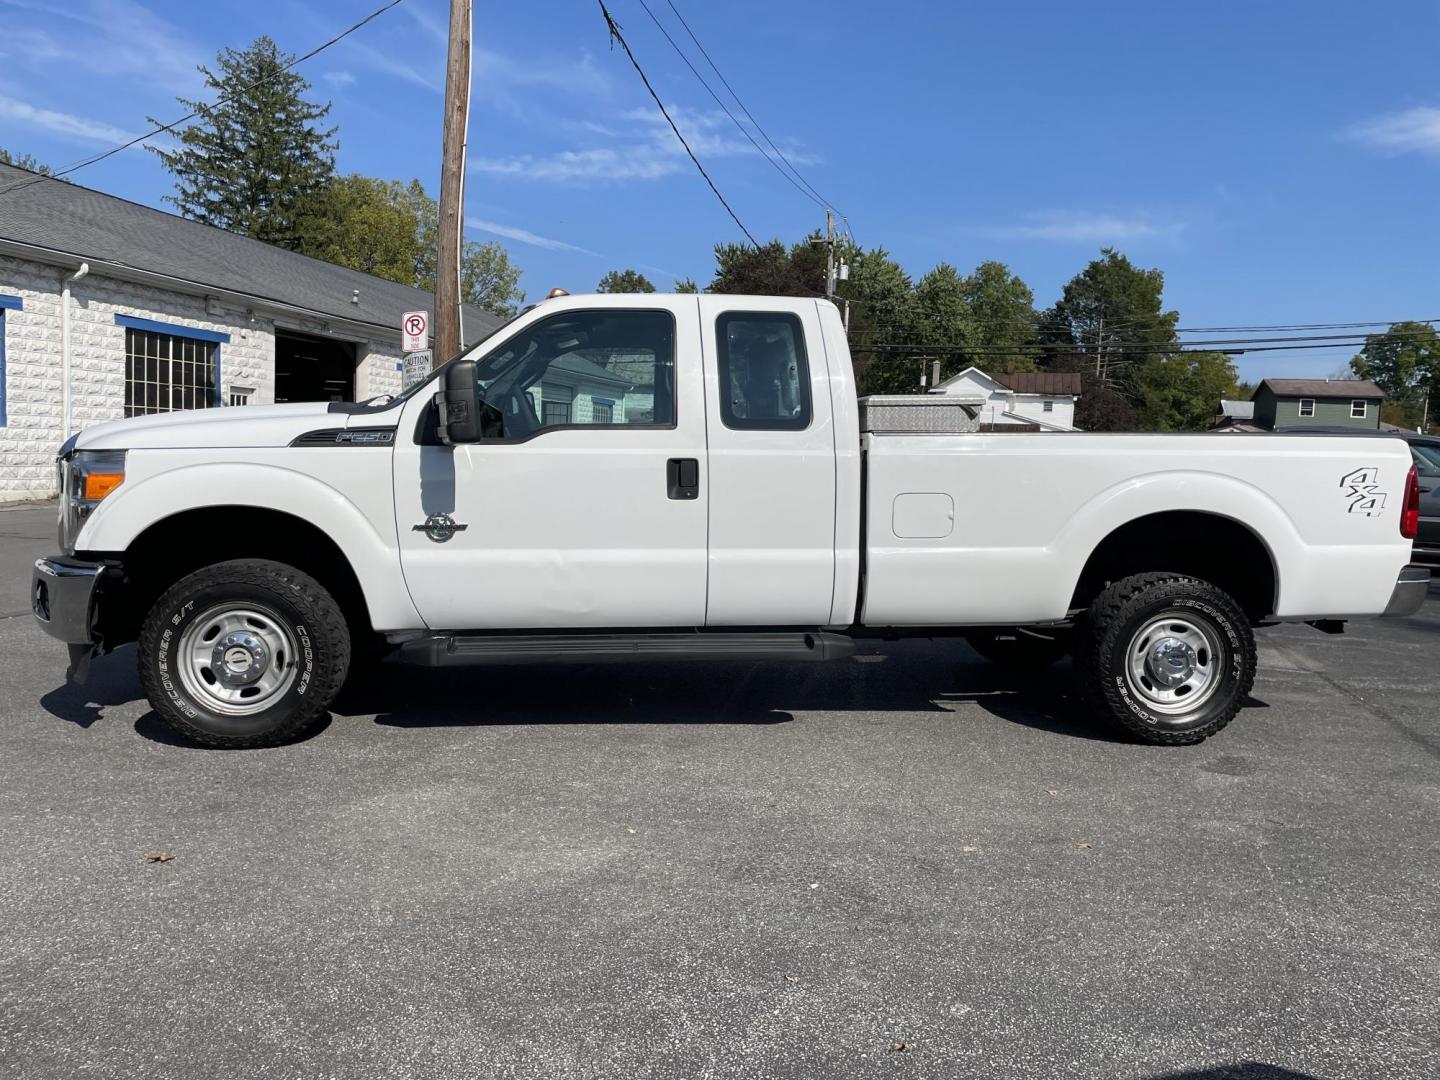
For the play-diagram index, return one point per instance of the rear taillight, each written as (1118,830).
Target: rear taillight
(1410,515)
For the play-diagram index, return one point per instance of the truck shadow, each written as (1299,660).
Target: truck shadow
(909,677)
(113,681)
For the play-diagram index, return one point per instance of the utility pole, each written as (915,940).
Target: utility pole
(829,252)
(452,182)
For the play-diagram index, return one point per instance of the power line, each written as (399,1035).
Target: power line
(615,36)
(202,109)
(824,202)
(742,128)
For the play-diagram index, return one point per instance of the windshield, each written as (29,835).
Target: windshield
(1427,457)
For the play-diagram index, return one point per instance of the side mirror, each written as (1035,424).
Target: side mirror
(457,405)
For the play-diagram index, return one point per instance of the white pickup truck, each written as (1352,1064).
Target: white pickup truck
(686,477)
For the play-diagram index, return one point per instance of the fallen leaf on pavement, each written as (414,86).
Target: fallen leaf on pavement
(1052,791)
(158,856)
(899,1048)
(1082,845)
(969,847)
(792,978)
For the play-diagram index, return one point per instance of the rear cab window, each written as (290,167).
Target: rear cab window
(764,371)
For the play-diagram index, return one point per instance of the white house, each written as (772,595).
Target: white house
(1020,400)
(111,309)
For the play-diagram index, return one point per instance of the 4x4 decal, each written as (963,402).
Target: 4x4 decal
(1362,490)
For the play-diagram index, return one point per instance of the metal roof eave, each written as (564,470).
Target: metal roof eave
(67,259)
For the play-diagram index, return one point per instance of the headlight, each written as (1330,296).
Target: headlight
(86,477)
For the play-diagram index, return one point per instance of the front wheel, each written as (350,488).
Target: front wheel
(1167,657)
(245,653)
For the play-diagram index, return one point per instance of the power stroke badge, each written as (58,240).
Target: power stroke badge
(1361,490)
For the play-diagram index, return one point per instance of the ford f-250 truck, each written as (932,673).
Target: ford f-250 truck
(626,477)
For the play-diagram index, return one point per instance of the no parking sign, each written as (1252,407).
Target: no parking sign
(415,331)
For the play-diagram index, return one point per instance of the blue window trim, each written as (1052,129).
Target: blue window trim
(176,330)
(14,303)
(601,400)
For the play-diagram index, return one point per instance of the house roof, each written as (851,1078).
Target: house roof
(1322,388)
(86,224)
(1040,382)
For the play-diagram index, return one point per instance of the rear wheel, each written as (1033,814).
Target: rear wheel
(245,653)
(1167,657)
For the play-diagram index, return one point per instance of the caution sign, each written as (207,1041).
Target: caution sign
(415,329)
(417,367)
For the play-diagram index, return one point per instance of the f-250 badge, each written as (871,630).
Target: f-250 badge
(441,527)
(1362,491)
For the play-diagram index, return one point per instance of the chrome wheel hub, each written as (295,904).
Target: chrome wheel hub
(1174,664)
(237,660)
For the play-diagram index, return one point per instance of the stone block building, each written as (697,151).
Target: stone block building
(111,309)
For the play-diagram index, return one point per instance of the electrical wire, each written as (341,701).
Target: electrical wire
(615,35)
(205,109)
(724,108)
(824,202)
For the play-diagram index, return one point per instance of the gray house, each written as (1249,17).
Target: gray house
(1297,404)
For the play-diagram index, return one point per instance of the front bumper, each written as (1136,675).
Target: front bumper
(1410,591)
(63,593)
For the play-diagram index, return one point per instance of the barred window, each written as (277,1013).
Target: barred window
(166,373)
(554,413)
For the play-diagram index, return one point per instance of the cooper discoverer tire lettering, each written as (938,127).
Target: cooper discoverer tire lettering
(245,653)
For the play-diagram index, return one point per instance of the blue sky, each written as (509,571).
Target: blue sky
(1278,161)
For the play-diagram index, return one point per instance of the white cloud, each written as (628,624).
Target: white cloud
(644,148)
(525,236)
(338,78)
(1414,130)
(1073,227)
(102,37)
(626,163)
(59,123)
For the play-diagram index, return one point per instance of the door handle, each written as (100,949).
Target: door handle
(682,478)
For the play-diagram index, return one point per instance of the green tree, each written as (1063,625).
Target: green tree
(488,278)
(625,281)
(365,224)
(884,333)
(941,317)
(1404,361)
(1179,391)
(1114,313)
(25,161)
(1001,320)
(769,270)
(686,285)
(254,160)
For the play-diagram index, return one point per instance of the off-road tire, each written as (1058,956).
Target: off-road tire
(1104,636)
(1017,650)
(313,618)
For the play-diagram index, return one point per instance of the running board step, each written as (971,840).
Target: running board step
(463,650)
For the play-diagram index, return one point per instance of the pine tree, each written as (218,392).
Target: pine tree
(252,161)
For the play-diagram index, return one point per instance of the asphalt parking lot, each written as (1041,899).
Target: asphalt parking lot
(897,865)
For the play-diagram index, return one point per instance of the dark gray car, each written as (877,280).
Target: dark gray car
(1425,449)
